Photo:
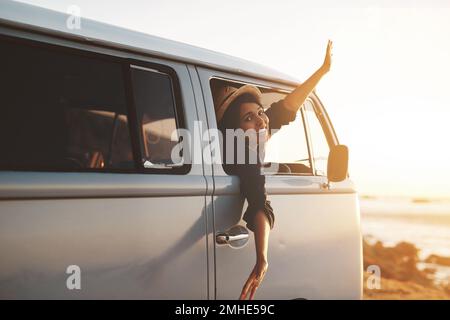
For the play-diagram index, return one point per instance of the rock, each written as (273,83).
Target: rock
(398,262)
(443,261)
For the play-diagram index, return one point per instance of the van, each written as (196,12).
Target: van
(92,203)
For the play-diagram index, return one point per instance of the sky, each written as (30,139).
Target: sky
(387,92)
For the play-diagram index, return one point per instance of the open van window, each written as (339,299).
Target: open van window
(288,146)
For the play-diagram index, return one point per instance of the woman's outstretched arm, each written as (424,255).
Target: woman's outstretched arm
(297,97)
(261,232)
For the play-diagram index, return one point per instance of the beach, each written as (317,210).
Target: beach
(409,240)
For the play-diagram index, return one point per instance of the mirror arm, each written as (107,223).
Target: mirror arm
(326,185)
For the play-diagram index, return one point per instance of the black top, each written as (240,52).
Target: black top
(252,182)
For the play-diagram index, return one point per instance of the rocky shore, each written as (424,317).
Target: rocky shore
(401,278)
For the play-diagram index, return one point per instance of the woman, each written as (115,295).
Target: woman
(241,109)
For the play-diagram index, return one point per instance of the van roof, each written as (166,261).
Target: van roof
(31,17)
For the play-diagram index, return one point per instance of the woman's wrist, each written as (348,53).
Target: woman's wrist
(261,258)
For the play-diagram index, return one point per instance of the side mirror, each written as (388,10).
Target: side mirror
(337,163)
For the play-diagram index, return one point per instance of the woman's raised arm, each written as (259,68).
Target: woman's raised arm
(297,97)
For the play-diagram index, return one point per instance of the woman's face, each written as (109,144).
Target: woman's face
(252,116)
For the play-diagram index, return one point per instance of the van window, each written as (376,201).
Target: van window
(319,144)
(61,111)
(288,147)
(157,121)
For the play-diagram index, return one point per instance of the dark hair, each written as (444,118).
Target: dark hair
(230,120)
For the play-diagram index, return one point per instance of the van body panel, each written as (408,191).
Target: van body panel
(32,185)
(314,248)
(208,174)
(125,248)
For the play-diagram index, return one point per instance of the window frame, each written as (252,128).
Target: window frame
(125,64)
(307,127)
(180,118)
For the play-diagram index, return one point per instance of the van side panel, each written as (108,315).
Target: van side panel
(315,249)
(127,248)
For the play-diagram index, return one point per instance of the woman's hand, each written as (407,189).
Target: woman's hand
(327,61)
(297,97)
(254,280)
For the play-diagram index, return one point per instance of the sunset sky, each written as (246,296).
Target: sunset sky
(387,92)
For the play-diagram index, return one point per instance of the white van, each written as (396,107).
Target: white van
(92,204)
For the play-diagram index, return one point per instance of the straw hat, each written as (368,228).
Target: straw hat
(225,95)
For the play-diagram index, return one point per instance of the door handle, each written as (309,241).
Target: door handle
(224,238)
(235,237)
